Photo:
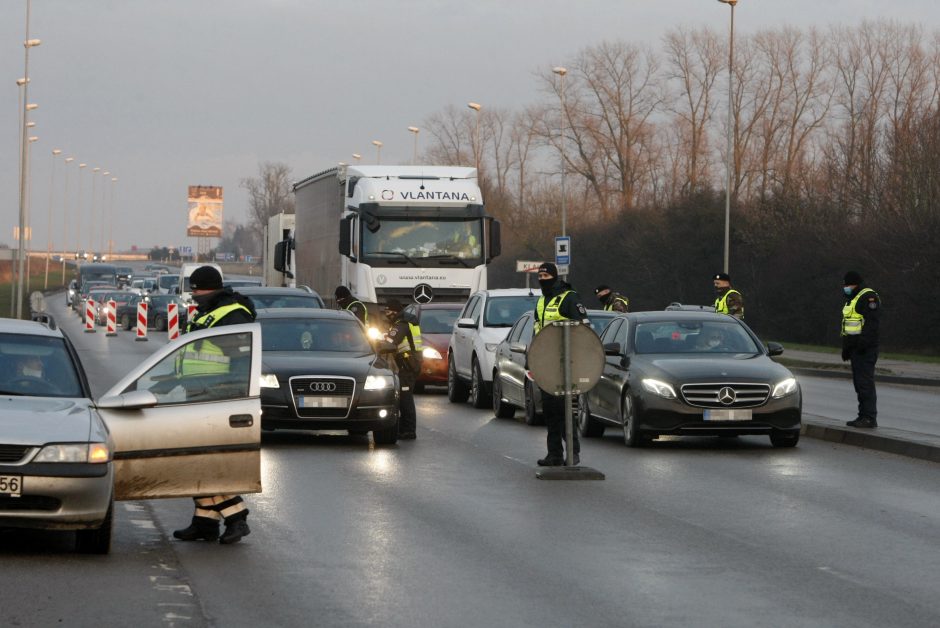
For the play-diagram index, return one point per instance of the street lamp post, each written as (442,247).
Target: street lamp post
(476,135)
(65,217)
(357,157)
(104,190)
(91,221)
(561,72)
(378,151)
(730,148)
(55,153)
(111,220)
(29,203)
(78,213)
(414,157)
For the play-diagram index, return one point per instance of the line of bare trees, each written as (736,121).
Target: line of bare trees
(836,165)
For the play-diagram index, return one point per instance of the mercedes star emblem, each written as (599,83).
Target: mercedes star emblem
(726,396)
(423,293)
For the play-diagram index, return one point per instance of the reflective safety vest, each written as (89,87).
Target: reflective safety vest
(365,310)
(405,347)
(852,321)
(204,357)
(721,303)
(610,306)
(549,313)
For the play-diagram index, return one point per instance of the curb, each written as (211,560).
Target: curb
(886,439)
(886,379)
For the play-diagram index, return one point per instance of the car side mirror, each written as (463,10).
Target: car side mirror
(612,348)
(134,400)
(517,347)
(466,323)
(774,348)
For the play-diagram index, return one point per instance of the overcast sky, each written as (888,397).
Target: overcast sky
(171,93)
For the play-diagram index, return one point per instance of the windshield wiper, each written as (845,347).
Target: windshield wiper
(402,255)
(448,256)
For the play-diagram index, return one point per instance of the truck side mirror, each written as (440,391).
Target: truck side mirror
(495,247)
(345,236)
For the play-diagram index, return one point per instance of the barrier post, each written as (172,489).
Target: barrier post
(90,316)
(141,321)
(191,313)
(112,319)
(172,321)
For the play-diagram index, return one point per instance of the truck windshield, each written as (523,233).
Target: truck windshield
(410,240)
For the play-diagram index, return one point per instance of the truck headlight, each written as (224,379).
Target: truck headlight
(661,389)
(268,380)
(784,388)
(430,353)
(378,382)
(95,453)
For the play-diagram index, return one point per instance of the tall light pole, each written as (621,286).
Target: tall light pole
(111,220)
(78,214)
(561,72)
(104,190)
(24,152)
(91,222)
(65,217)
(29,202)
(357,157)
(476,135)
(730,149)
(55,153)
(378,151)
(414,156)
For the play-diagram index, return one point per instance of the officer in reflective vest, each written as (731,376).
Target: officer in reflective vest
(346,301)
(729,300)
(612,301)
(405,336)
(216,306)
(557,303)
(860,322)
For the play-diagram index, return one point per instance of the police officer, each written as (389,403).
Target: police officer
(612,301)
(860,322)
(405,336)
(347,301)
(729,300)
(216,306)
(557,303)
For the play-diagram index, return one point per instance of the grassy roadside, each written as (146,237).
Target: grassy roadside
(907,357)
(37,279)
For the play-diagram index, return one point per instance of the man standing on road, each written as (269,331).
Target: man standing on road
(557,303)
(729,300)
(216,307)
(346,301)
(405,336)
(860,322)
(612,301)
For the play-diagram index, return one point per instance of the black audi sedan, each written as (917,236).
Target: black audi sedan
(690,373)
(319,372)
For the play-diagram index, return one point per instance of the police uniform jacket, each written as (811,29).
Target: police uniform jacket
(570,308)
(868,306)
(399,334)
(222,298)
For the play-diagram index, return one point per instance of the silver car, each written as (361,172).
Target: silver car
(162,431)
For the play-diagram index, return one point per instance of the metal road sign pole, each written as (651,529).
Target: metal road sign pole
(566,359)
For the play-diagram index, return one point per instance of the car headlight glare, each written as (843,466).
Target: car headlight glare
(659,388)
(374,334)
(491,346)
(784,388)
(378,382)
(430,353)
(268,380)
(75,452)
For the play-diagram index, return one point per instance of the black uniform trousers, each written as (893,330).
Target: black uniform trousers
(553,411)
(863,378)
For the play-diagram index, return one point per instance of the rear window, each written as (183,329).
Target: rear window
(438,321)
(504,311)
(37,366)
(289,300)
(167,281)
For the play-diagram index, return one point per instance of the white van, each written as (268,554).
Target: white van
(186,270)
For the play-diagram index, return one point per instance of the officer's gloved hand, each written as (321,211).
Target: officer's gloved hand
(846,353)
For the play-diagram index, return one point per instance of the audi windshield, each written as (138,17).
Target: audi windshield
(306,335)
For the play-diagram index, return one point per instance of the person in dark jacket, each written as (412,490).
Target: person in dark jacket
(861,316)
(216,306)
(610,300)
(346,301)
(407,358)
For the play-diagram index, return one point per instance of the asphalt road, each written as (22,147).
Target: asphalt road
(453,529)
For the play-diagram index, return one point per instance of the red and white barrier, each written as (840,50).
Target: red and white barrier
(141,321)
(172,321)
(112,319)
(90,316)
(191,313)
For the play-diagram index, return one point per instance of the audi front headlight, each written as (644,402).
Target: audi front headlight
(374,334)
(268,380)
(74,452)
(378,382)
(661,389)
(784,388)
(430,353)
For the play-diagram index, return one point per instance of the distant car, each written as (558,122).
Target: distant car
(238,284)
(436,321)
(123,275)
(72,292)
(483,323)
(320,372)
(513,386)
(272,298)
(167,284)
(160,269)
(65,459)
(157,311)
(143,284)
(690,373)
(120,298)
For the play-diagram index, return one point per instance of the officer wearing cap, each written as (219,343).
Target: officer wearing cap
(405,336)
(557,303)
(729,301)
(612,301)
(216,306)
(346,301)
(860,322)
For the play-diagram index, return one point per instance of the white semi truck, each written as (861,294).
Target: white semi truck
(415,233)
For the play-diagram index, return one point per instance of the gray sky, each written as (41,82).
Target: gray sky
(171,93)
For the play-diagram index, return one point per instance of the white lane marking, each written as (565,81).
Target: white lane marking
(147,524)
(157,582)
(841,575)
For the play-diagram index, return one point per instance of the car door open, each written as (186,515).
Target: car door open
(187,422)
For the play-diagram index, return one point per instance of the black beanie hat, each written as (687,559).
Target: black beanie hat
(851,278)
(393,304)
(342,292)
(601,288)
(205,278)
(721,277)
(550,268)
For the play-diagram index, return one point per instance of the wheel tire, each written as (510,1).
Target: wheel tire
(531,416)
(784,439)
(159,323)
(501,409)
(97,541)
(479,392)
(457,391)
(388,436)
(632,437)
(587,424)
(126,322)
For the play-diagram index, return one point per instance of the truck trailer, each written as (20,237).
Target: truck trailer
(415,233)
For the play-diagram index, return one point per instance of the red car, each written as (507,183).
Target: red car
(437,322)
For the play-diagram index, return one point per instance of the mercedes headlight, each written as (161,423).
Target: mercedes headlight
(74,452)
(430,353)
(784,388)
(378,382)
(268,380)
(659,388)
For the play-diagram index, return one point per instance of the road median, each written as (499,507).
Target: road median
(886,439)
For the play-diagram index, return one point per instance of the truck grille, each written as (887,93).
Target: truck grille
(322,397)
(406,295)
(724,395)
(13,453)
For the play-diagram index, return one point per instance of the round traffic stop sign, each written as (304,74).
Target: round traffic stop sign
(547,363)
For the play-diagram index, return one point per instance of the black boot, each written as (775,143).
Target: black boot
(235,529)
(551,461)
(200,528)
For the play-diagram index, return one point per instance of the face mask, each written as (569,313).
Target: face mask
(847,290)
(390,315)
(202,300)
(606,298)
(546,284)
(27,372)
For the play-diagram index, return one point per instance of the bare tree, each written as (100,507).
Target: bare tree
(268,194)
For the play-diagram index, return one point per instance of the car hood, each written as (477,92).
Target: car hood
(742,367)
(38,420)
(493,335)
(291,363)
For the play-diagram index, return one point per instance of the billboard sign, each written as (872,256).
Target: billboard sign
(205,211)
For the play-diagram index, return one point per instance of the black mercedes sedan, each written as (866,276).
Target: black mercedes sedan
(690,373)
(319,372)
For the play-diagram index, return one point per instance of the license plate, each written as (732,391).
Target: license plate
(728,414)
(309,401)
(11,485)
